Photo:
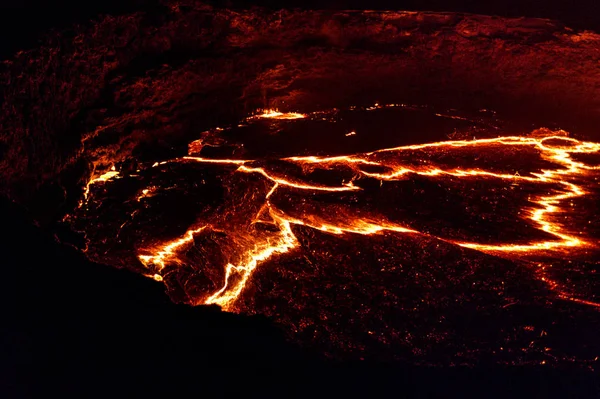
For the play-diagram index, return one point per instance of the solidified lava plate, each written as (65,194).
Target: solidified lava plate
(383,185)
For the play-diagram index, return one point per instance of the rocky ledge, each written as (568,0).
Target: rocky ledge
(145,83)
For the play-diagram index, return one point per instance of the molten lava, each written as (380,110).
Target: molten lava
(112,173)
(275,114)
(564,181)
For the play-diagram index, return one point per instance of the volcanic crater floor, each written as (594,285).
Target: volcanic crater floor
(388,232)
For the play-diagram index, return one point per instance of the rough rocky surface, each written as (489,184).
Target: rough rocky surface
(122,337)
(146,81)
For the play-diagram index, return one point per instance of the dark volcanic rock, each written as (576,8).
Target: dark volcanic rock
(77,329)
(80,328)
(146,83)
(153,79)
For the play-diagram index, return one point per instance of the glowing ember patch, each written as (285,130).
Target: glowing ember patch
(167,251)
(229,293)
(218,161)
(274,114)
(554,150)
(146,193)
(290,183)
(236,276)
(99,179)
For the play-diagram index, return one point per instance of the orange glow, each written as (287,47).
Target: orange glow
(284,242)
(112,173)
(218,161)
(285,182)
(541,212)
(163,254)
(275,114)
(146,193)
(545,205)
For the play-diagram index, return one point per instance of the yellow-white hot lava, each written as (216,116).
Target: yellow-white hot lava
(540,212)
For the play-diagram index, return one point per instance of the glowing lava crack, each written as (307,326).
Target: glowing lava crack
(553,147)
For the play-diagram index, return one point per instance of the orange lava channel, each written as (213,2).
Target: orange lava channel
(275,114)
(540,213)
(167,253)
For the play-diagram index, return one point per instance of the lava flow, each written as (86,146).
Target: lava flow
(553,179)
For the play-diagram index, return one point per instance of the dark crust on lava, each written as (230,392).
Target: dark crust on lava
(121,85)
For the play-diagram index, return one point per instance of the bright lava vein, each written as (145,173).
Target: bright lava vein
(386,165)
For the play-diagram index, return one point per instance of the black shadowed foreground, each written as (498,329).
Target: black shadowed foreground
(78,329)
(319,193)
